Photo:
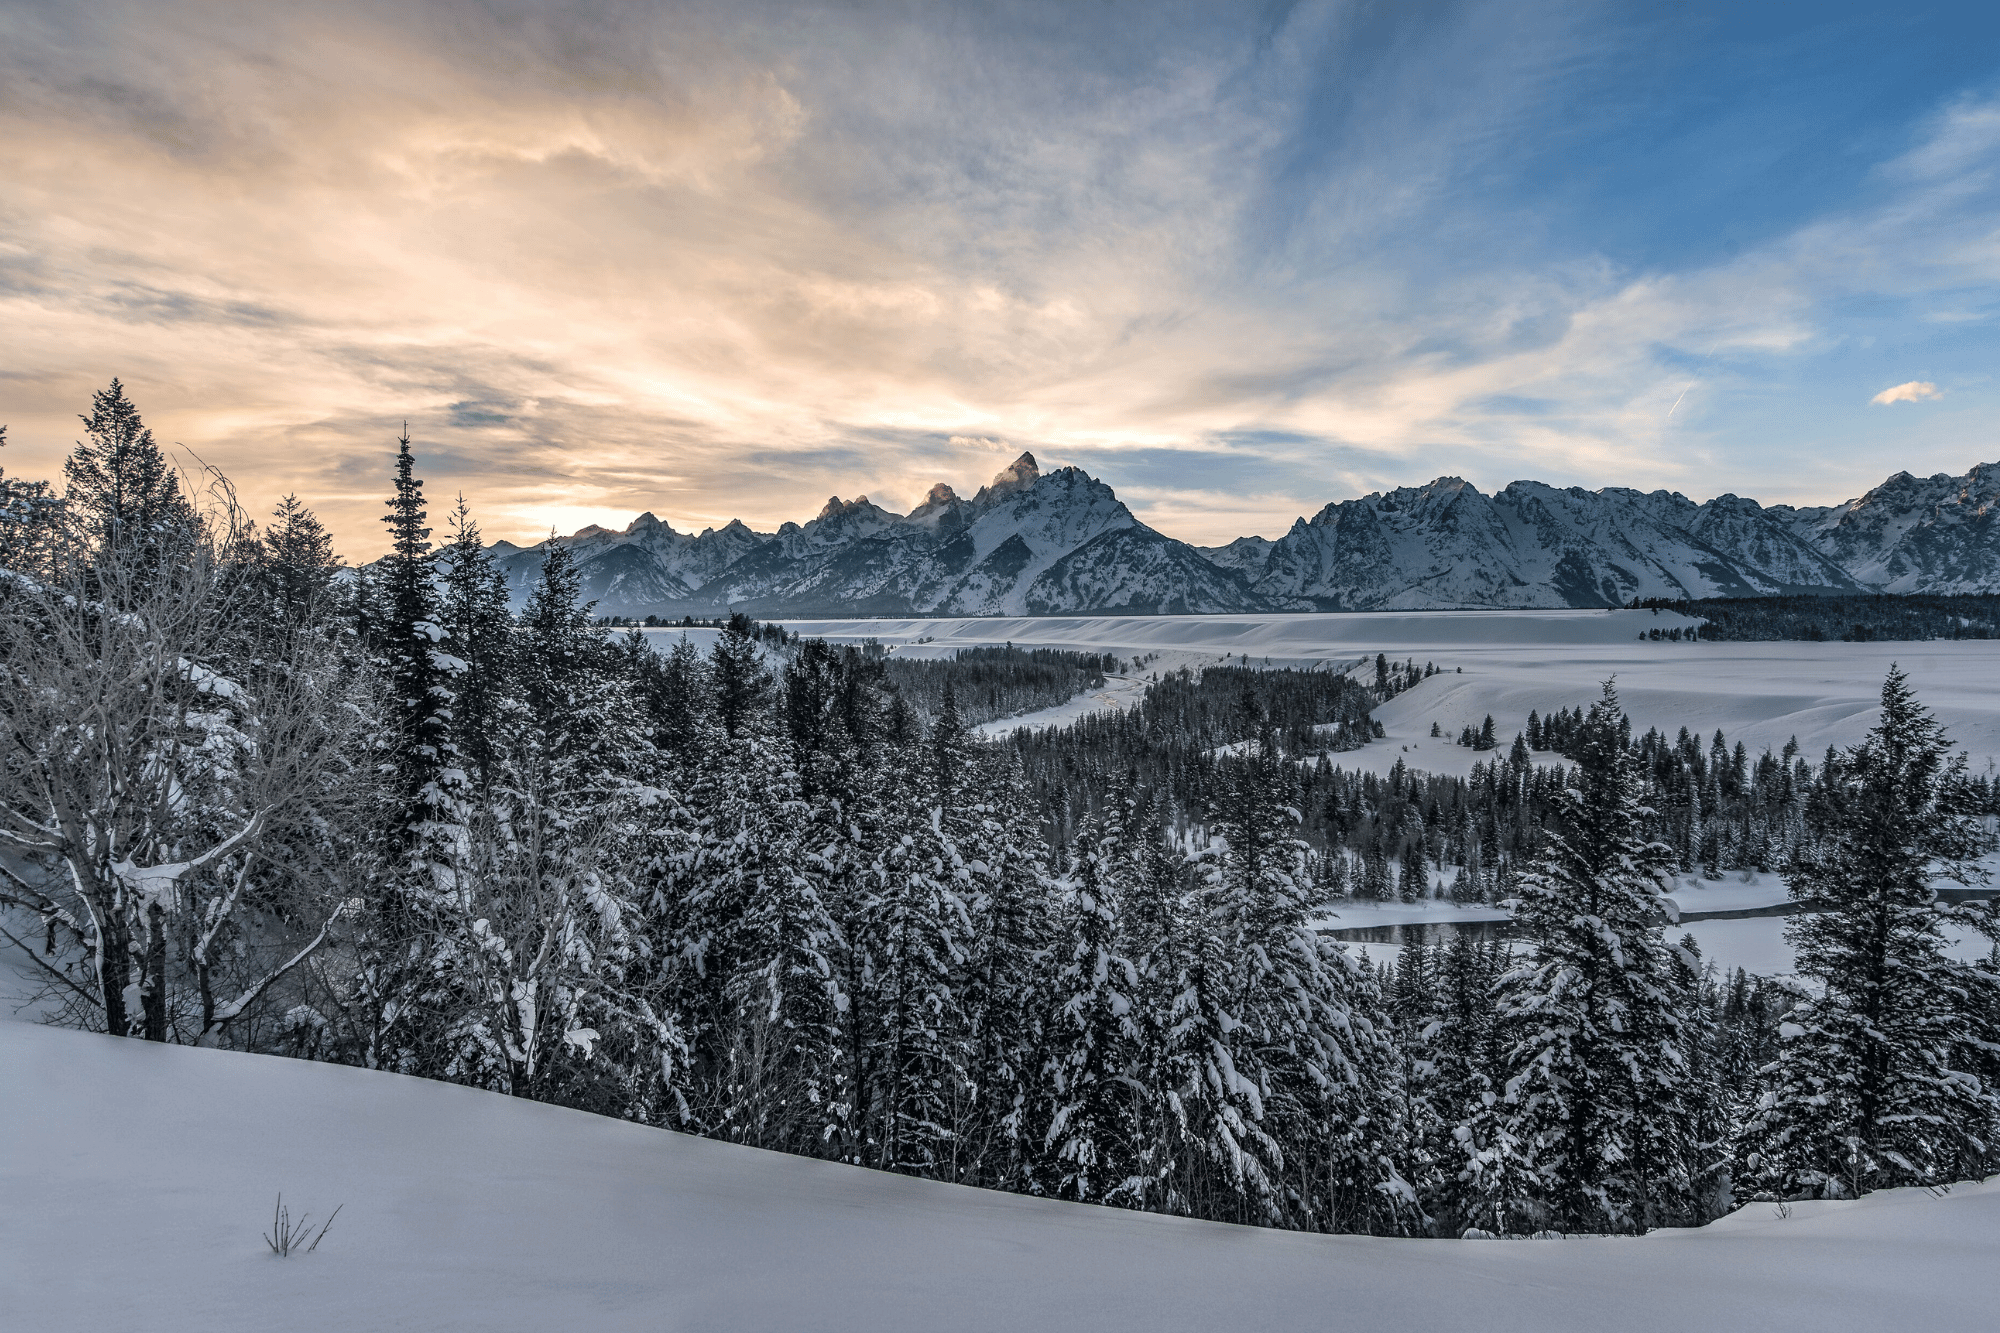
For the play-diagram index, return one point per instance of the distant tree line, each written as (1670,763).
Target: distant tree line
(1814,618)
(987,683)
(251,799)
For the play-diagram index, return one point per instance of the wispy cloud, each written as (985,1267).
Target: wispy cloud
(1911,391)
(719,261)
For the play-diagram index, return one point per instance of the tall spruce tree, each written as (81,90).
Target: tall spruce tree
(299,564)
(408,632)
(1596,1077)
(479,649)
(1094,1032)
(121,488)
(1871,1087)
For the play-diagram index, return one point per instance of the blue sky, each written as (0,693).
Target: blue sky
(1238,260)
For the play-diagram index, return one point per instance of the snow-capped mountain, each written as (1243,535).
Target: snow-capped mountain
(1913,534)
(1061,543)
(1532,545)
(1026,544)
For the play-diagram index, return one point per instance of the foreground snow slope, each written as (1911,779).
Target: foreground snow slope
(134,1180)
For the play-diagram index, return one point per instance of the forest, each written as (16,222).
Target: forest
(777,893)
(1814,618)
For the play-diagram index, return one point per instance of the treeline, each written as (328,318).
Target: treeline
(1411,834)
(1178,741)
(248,800)
(1814,618)
(988,683)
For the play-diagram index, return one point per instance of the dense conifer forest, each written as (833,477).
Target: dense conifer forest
(1859,618)
(776,892)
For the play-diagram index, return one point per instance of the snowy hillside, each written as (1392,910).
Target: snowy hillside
(1061,543)
(137,1178)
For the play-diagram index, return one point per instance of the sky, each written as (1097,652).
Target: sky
(1238,260)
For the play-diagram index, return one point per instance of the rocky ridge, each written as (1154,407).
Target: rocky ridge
(1057,543)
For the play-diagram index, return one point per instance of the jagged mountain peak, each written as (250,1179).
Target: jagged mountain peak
(1017,475)
(838,508)
(1045,543)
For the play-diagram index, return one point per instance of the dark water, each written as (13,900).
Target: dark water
(1424,932)
(1443,932)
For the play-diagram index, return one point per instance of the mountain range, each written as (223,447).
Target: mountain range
(1061,542)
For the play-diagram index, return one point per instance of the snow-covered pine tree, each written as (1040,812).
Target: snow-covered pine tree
(422,772)
(1596,1075)
(1184,1131)
(537,922)
(30,516)
(389,1018)
(1413,879)
(1002,990)
(1703,1137)
(1309,1070)
(1868,1090)
(1092,1028)
(1414,997)
(478,649)
(916,925)
(1467,1062)
(778,1034)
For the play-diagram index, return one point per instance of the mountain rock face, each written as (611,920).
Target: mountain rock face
(1026,544)
(1913,534)
(1063,543)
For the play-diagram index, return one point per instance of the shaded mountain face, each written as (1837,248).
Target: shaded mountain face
(1063,543)
(1026,544)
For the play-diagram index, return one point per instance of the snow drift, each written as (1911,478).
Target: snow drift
(136,1179)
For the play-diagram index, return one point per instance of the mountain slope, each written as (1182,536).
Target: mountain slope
(1063,543)
(136,1178)
(1028,543)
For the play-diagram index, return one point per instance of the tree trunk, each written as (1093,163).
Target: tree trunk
(153,982)
(114,970)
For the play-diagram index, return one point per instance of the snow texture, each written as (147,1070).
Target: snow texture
(469,1210)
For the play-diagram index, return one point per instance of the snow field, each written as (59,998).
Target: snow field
(137,1178)
(1762,694)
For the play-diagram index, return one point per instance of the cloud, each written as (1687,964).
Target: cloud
(685,258)
(1914,391)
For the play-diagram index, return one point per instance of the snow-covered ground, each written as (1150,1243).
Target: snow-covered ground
(1762,694)
(1117,692)
(135,1179)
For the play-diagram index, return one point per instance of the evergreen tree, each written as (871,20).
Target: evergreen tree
(1094,1029)
(1870,1088)
(121,488)
(1001,992)
(479,643)
(299,560)
(30,516)
(420,744)
(1596,1075)
(1413,881)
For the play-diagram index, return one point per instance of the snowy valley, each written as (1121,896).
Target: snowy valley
(964,971)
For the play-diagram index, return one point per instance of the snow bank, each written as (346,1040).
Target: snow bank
(135,1180)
